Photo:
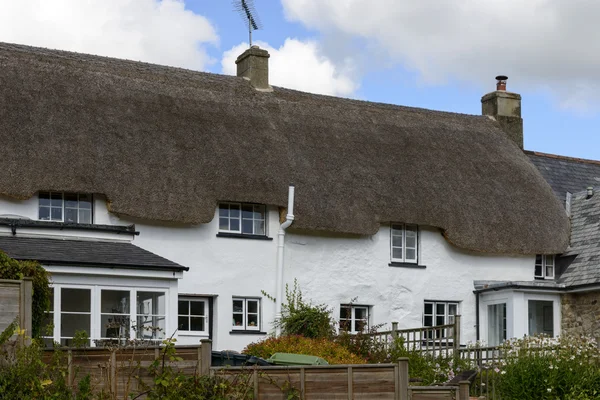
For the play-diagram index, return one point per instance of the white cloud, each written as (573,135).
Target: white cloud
(546,44)
(300,65)
(155,31)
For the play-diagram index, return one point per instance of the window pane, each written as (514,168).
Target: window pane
(397,253)
(223,210)
(440,320)
(183,323)
(45,213)
(259,212)
(114,326)
(47,327)
(397,241)
(538,260)
(197,324)
(538,270)
(85,217)
(360,313)
(56,214)
(247,211)
(549,271)
(452,308)
(85,201)
(429,308)
(149,327)
(71,215)
(440,308)
(428,320)
(234,210)
(115,301)
(550,260)
(247,226)
(197,307)
(71,200)
(252,306)
(56,199)
(541,317)
(75,300)
(224,224)
(151,303)
(234,225)
(252,320)
(44,198)
(411,254)
(238,306)
(411,239)
(359,325)
(71,323)
(345,313)
(238,320)
(183,307)
(259,227)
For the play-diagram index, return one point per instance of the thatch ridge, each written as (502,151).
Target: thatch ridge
(167,144)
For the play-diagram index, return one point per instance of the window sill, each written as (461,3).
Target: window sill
(406,265)
(243,332)
(242,236)
(192,333)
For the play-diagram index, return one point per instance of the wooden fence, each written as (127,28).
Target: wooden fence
(15,302)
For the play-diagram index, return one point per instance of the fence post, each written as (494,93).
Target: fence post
(394,330)
(70,377)
(25,304)
(206,357)
(113,372)
(463,390)
(403,377)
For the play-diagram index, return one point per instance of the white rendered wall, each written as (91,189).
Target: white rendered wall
(330,269)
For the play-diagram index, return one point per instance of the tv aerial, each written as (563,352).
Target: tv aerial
(248,13)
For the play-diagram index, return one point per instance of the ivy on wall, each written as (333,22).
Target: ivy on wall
(14,269)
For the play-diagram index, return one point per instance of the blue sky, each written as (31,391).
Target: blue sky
(438,54)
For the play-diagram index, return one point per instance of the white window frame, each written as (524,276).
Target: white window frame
(241,218)
(63,206)
(96,328)
(503,330)
(399,230)
(542,262)
(353,319)
(448,318)
(245,325)
(189,315)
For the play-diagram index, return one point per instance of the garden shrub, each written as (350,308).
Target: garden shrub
(302,318)
(327,349)
(546,368)
(13,269)
(365,345)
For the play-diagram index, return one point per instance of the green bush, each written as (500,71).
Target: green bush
(327,349)
(302,318)
(545,368)
(13,269)
(366,345)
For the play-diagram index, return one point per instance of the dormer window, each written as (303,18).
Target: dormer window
(404,243)
(65,207)
(544,267)
(242,218)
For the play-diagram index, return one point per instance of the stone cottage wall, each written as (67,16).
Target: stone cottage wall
(581,314)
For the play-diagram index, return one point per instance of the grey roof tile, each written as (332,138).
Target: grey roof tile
(84,252)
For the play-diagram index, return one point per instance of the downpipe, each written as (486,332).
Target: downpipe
(289,218)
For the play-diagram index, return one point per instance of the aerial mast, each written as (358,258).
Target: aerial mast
(248,13)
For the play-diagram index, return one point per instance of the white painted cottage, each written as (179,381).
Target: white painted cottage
(154,196)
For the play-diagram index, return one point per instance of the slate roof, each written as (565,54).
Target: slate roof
(585,241)
(85,253)
(566,174)
(167,144)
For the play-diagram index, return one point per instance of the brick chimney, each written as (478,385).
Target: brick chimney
(253,64)
(505,107)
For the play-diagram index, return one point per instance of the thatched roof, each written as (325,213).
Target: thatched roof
(167,144)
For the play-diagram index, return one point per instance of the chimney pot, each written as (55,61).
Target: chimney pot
(254,65)
(501,84)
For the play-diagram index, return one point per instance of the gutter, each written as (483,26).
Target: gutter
(289,218)
(14,224)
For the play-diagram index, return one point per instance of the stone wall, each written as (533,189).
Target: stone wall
(581,314)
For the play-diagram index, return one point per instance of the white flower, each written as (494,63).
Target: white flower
(549,390)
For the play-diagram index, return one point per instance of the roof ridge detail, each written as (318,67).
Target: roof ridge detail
(560,157)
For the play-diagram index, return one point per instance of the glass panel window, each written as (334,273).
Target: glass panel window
(496,324)
(243,218)
(246,314)
(354,318)
(150,321)
(404,243)
(541,317)
(65,207)
(437,313)
(115,313)
(75,313)
(47,327)
(193,315)
(544,267)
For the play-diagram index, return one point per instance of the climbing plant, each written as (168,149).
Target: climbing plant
(14,269)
